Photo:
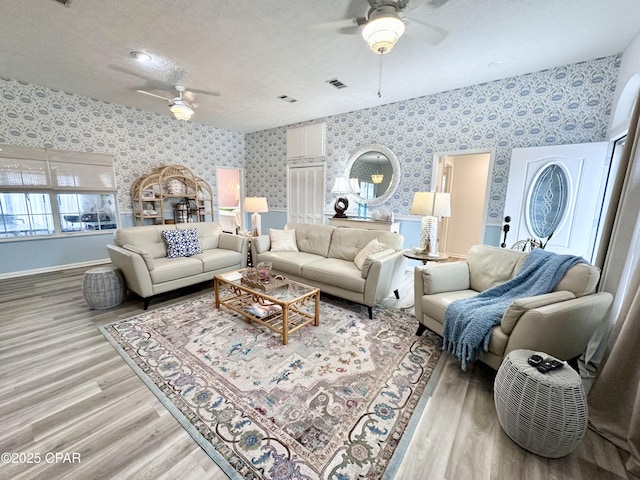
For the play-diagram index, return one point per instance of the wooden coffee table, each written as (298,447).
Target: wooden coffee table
(283,310)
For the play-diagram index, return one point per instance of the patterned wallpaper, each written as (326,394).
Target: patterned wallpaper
(564,105)
(570,104)
(139,141)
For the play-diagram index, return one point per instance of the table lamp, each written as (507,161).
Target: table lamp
(256,206)
(432,206)
(341,187)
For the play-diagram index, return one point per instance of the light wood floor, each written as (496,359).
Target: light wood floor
(65,390)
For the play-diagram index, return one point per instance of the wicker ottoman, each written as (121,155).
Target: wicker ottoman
(545,413)
(103,287)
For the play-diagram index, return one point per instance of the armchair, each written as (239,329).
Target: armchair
(559,323)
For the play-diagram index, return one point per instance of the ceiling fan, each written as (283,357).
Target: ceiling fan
(181,108)
(383,24)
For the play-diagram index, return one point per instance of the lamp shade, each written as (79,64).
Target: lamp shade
(256,205)
(355,185)
(431,204)
(341,185)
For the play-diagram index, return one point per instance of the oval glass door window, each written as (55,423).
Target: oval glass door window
(547,201)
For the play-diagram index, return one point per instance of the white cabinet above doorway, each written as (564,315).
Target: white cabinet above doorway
(306,142)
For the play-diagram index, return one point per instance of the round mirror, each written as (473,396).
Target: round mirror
(374,174)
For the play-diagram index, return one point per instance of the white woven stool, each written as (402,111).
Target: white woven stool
(103,287)
(545,413)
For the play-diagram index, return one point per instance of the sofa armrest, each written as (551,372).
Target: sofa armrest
(260,244)
(385,274)
(561,329)
(134,269)
(229,241)
(236,243)
(442,277)
(521,305)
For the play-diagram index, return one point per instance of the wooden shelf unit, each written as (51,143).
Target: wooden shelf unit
(170,183)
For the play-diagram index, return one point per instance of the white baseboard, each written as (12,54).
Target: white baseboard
(55,268)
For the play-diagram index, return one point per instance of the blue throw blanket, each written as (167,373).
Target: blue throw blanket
(468,322)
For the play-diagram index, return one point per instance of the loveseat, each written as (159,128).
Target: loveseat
(362,266)
(559,323)
(199,250)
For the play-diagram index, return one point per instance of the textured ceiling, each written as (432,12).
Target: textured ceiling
(250,52)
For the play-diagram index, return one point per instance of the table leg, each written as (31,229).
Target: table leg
(316,321)
(285,324)
(216,288)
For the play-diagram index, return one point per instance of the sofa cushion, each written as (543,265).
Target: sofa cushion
(287,262)
(435,305)
(332,271)
(347,242)
(491,266)
(182,243)
(581,279)
(218,258)
(374,246)
(208,233)
(167,269)
(283,240)
(498,341)
(312,238)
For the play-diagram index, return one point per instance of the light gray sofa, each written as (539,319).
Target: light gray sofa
(141,254)
(559,323)
(326,260)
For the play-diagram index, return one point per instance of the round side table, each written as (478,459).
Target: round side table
(545,413)
(103,287)
(423,257)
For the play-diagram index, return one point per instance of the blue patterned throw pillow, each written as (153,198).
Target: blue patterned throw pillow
(181,243)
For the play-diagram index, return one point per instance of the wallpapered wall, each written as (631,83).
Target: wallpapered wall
(570,104)
(565,105)
(139,141)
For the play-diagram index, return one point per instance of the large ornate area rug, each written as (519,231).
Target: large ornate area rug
(332,404)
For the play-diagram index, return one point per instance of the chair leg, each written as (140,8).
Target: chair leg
(396,293)
(370,313)
(421,330)
(146,302)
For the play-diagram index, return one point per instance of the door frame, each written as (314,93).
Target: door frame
(439,158)
(323,189)
(241,180)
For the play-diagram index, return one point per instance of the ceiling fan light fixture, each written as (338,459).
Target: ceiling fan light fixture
(181,110)
(141,56)
(383,30)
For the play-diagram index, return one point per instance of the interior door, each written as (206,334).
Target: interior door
(305,194)
(557,191)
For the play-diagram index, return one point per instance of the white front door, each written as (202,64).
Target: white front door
(557,191)
(305,194)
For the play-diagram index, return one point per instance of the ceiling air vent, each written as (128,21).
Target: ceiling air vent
(63,2)
(336,83)
(287,98)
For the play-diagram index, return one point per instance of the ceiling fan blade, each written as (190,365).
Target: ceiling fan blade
(202,92)
(154,95)
(430,33)
(356,8)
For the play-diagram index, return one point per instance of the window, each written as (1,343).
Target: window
(48,192)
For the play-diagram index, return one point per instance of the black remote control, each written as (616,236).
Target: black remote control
(549,365)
